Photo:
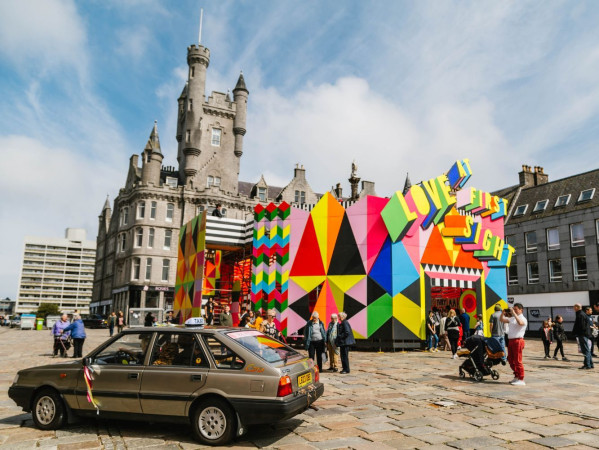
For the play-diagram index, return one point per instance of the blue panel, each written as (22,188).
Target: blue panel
(381,269)
(496,280)
(404,272)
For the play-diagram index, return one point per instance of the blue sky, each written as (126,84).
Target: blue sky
(398,86)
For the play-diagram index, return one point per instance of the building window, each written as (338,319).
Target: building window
(520,210)
(579,263)
(166,264)
(170,211)
(125,216)
(148,268)
(139,236)
(216,133)
(141,210)
(122,242)
(512,274)
(192,71)
(216,181)
(153,210)
(151,238)
(262,194)
(597,230)
(300,196)
(190,105)
(552,238)
(135,269)
(562,201)
(171,182)
(532,269)
(510,240)
(188,136)
(199,210)
(540,206)
(531,241)
(555,270)
(577,235)
(586,195)
(209,181)
(168,236)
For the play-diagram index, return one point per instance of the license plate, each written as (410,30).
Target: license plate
(304,379)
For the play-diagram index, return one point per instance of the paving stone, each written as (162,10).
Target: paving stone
(419,431)
(375,427)
(341,443)
(383,436)
(554,420)
(554,441)
(584,438)
(515,436)
(479,442)
(404,443)
(436,438)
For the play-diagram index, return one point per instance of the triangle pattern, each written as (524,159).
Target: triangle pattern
(346,258)
(381,269)
(436,252)
(308,260)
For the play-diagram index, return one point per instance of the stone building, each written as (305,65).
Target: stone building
(137,240)
(554,227)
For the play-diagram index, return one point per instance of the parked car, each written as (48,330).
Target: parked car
(221,380)
(94,321)
(15,322)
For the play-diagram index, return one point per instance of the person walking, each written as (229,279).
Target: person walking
(111,323)
(120,322)
(77,330)
(498,329)
(547,337)
(314,338)
(579,330)
(269,327)
(225,318)
(517,327)
(331,346)
(345,338)
(431,335)
(209,310)
(452,325)
(465,321)
(559,334)
(61,339)
(443,338)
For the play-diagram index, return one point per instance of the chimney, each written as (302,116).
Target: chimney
(367,188)
(299,172)
(527,177)
(540,176)
(339,191)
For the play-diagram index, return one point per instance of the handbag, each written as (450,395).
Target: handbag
(325,357)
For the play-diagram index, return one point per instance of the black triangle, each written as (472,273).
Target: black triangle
(400,331)
(346,259)
(301,306)
(184,230)
(374,291)
(491,297)
(384,332)
(351,306)
(412,292)
(198,223)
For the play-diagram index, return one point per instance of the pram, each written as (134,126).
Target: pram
(481,355)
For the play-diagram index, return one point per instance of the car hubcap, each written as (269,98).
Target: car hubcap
(212,423)
(45,410)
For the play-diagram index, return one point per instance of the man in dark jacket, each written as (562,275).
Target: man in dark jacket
(583,332)
(465,321)
(345,338)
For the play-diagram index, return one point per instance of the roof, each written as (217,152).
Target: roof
(246,187)
(572,186)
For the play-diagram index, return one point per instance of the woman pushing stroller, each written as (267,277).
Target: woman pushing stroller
(61,339)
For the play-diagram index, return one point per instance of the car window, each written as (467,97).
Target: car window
(223,356)
(264,346)
(128,349)
(178,349)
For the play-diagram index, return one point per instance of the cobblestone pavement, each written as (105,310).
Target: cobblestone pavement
(388,401)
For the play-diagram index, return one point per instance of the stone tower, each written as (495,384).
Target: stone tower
(152,159)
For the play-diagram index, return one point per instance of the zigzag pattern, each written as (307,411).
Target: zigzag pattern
(270,259)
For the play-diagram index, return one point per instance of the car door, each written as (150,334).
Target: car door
(178,368)
(117,371)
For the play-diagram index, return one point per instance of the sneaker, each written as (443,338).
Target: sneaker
(436,350)
(555,357)
(514,380)
(565,359)
(519,383)
(454,357)
(546,357)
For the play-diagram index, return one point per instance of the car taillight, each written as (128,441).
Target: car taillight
(285,387)
(316,374)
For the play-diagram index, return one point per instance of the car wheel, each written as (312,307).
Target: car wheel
(213,422)
(48,410)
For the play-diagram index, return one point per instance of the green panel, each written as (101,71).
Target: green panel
(379,312)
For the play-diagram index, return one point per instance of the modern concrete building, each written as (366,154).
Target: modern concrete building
(57,270)
(554,227)
(137,240)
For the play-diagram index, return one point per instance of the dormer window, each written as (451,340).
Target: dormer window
(212,181)
(586,195)
(562,201)
(540,206)
(520,210)
(262,194)
(216,134)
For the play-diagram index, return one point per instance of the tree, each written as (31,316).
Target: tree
(47,309)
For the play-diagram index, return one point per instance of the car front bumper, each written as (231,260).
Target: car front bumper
(252,411)
(21,396)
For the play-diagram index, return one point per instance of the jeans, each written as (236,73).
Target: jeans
(585,348)
(344,353)
(514,357)
(318,347)
(78,347)
(547,346)
(559,346)
(453,336)
(431,338)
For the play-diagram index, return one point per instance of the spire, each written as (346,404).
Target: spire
(228,97)
(407,185)
(184,91)
(240,86)
(154,141)
(106,204)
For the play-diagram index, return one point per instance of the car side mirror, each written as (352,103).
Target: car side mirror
(87,361)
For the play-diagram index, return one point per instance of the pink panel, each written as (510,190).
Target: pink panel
(297,221)
(357,215)
(295,292)
(359,323)
(358,291)
(294,321)
(377,231)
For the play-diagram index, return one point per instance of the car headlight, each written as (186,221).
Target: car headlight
(16,379)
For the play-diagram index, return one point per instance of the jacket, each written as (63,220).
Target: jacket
(546,337)
(579,324)
(332,333)
(465,320)
(226,320)
(77,329)
(558,332)
(308,332)
(345,335)
(58,326)
(588,329)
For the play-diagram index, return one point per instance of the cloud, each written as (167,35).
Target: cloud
(42,35)
(133,43)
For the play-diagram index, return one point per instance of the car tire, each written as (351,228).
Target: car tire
(213,422)
(48,410)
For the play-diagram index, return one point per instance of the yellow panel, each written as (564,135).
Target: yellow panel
(260,232)
(286,231)
(285,277)
(409,314)
(345,282)
(338,294)
(308,283)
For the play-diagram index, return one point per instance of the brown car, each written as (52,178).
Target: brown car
(221,380)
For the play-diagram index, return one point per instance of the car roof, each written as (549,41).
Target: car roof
(182,329)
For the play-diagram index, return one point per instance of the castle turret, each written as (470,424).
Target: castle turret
(104,218)
(181,121)
(152,159)
(198,59)
(240,95)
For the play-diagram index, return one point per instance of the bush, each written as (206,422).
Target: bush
(47,309)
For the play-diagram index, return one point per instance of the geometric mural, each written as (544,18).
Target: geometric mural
(190,269)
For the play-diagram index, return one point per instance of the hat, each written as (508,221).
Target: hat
(315,314)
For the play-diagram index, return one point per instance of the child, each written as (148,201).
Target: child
(560,336)
(547,337)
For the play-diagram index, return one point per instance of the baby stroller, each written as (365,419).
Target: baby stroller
(481,355)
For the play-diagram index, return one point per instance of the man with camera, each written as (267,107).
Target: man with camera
(517,327)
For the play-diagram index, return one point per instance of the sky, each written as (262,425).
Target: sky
(398,86)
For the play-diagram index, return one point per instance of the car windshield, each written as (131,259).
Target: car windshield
(265,347)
